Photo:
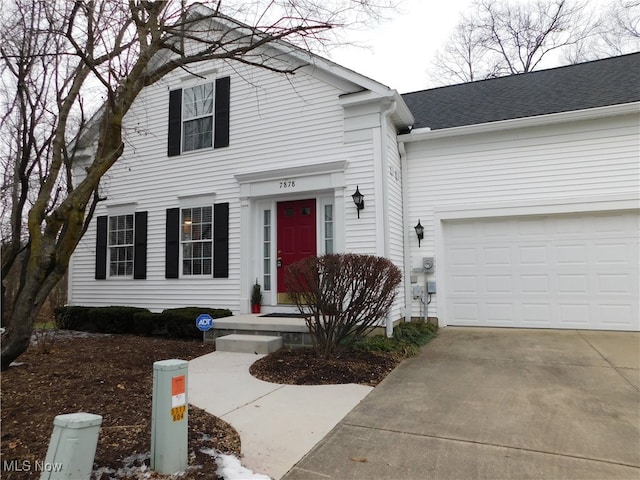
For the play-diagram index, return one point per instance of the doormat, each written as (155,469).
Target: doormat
(283,315)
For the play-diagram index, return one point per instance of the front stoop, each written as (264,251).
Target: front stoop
(240,343)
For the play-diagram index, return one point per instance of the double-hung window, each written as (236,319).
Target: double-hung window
(197,117)
(197,240)
(121,246)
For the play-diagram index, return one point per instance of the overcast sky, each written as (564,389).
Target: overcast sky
(400,49)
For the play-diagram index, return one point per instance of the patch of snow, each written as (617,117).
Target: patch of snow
(230,468)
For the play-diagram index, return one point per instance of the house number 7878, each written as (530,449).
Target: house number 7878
(287,184)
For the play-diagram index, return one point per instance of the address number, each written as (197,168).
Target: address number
(177,413)
(287,184)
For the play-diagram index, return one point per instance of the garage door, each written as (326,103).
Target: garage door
(560,271)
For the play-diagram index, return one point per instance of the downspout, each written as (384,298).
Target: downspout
(384,143)
(408,304)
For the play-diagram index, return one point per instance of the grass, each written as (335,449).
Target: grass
(407,339)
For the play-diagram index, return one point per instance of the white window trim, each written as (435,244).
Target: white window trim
(183,242)
(207,81)
(110,246)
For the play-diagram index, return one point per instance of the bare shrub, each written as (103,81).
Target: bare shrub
(343,297)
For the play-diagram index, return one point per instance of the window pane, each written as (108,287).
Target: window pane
(328,246)
(198,134)
(328,213)
(198,101)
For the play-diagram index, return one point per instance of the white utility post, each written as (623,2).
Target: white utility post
(169,417)
(72,447)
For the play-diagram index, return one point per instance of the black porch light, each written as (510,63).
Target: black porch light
(419,232)
(358,199)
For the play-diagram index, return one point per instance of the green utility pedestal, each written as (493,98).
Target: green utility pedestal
(169,417)
(72,447)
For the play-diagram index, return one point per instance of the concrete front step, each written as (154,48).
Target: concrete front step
(240,343)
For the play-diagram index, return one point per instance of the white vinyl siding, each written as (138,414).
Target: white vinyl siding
(265,133)
(553,165)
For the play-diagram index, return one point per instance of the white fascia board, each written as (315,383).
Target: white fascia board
(401,115)
(552,206)
(422,134)
(304,170)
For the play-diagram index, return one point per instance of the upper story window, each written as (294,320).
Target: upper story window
(121,246)
(199,117)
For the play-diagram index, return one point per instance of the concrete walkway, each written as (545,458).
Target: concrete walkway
(278,424)
(495,404)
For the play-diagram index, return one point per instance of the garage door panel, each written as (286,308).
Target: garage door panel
(533,254)
(613,253)
(563,271)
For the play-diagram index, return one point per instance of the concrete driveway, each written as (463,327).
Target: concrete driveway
(484,403)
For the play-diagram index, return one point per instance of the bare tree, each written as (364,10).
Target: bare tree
(503,37)
(59,56)
(617,32)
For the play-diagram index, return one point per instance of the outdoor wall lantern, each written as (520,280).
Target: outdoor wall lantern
(358,199)
(419,232)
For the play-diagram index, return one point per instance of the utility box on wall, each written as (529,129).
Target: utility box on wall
(169,417)
(428,264)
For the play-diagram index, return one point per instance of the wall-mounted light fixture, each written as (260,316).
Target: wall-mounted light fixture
(358,199)
(419,232)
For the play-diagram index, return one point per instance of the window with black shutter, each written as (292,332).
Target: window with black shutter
(199,117)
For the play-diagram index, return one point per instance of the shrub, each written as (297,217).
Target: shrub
(176,322)
(406,341)
(70,317)
(113,319)
(145,323)
(343,297)
(181,322)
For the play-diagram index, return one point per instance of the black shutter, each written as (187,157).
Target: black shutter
(140,246)
(172,252)
(101,248)
(175,122)
(221,240)
(221,127)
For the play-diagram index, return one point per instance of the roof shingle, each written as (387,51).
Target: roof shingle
(599,83)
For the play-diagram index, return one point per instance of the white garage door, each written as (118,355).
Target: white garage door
(560,271)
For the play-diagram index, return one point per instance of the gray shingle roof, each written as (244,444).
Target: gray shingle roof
(599,83)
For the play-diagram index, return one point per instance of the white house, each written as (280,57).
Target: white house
(527,188)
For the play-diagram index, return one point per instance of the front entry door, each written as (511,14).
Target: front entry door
(296,237)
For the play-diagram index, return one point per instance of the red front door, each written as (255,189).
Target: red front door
(296,237)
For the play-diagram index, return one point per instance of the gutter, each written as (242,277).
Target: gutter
(421,134)
(408,304)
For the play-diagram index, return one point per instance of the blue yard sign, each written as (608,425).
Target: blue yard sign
(204,322)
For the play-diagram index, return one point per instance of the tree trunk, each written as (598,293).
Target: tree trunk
(39,279)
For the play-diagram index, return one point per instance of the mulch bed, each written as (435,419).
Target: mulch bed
(112,376)
(304,367)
